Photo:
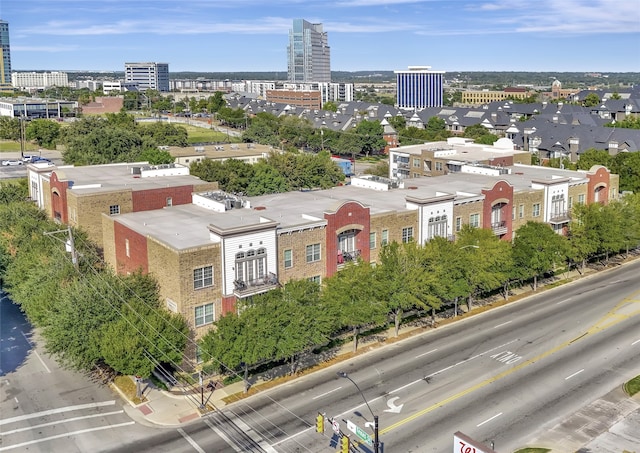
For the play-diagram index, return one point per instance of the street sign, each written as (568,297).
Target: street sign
(336,426)
(359,432)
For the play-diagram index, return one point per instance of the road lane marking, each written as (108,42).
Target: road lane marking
(59,422)
(488,420)
(223,435)
(326,393)
(59,410)
(59,436)
(193,443)
(445,369)
(574,374)
(563,301)
(253,435)
(36,352)
(503,324)
(425,353)
(635,342)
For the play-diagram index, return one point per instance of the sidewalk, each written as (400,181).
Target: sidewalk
(608,424)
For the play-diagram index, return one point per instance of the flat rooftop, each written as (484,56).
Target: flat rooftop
(186,226)
(104,178)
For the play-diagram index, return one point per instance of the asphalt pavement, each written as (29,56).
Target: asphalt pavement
(610,423)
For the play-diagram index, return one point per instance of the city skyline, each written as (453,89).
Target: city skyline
(251,36)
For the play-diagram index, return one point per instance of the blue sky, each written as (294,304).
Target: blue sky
(252,35)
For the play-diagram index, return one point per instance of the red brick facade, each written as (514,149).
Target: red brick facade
(500,194)
(598,181)
(59,198)
(147,200)
(350,215)
(133,259)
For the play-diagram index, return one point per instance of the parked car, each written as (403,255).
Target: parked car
(39,159)
(11,162)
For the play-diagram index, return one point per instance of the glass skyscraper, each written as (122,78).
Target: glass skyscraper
(419,87)
(154,76)
(309,56)
(5,63)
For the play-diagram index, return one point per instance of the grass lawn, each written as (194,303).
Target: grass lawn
(200,135)
(633,386)
(128,388)
(8,145)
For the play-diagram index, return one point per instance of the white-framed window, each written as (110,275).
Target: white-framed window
(458,223)
(536,210)
(127,249)
(513,213)
(438,166)
(114,209)
(521,211)
(251,265)
(570,204)
(407,234)
(288,258)
(203,277)
(372,240)
(204,314)
(169,201)
(437,226)
(581,198)
(313,253)
(474,220)
(416,163)
(316,279)
(384,240)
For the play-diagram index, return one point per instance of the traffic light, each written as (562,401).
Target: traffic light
(320,423)
(344,444)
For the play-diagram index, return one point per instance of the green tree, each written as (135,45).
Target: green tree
(9,128)
(165,134)
(583,234)
(369,134)
(330,106)
(216,102)
(44,132)
(156,157)
(267,179)
(627,165)
(591,100)
(404,282)
(537,249)
(592,157)
(352,296)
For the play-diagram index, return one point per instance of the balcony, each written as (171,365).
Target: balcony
(401,164)
(499,228)
(246,288)
(560,217)
(346,257)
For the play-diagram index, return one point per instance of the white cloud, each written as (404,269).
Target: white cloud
(48,49)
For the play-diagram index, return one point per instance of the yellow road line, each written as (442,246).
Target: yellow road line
(612,318)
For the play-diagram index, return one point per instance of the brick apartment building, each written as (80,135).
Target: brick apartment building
(77,196)
(222,248)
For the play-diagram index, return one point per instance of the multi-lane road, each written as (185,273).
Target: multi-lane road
(504,376)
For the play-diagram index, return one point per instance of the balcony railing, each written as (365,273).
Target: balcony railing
(246,288)
(560,217)
(346,257)
(499,228)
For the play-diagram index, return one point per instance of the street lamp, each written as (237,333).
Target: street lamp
(376,443)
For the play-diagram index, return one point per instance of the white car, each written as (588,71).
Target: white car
(11,162)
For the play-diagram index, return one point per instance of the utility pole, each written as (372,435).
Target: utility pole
(69,244)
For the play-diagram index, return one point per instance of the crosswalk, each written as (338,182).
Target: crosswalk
(49,426)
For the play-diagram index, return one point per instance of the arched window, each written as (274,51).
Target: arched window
(251,265)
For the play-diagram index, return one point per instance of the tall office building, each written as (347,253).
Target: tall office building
(5,49)
(153,76)
(309,53)
(419,87)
